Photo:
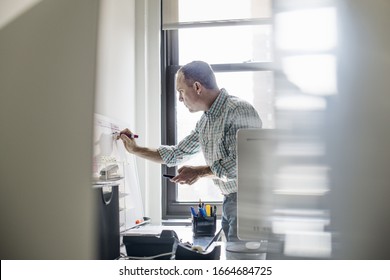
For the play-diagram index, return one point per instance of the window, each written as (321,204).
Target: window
(237,42)
(306,38)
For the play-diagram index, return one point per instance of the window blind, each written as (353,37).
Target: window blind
(198,13)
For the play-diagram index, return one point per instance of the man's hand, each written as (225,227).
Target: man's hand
(129,143)
(190,174)
(132,147)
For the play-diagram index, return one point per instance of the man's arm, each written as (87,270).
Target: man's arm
(147,153)
(144,152)
(191,174)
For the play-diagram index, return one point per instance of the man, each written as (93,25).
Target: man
(214,135)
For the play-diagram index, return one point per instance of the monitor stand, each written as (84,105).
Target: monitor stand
(254,247)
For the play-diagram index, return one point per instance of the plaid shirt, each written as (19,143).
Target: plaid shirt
(215,135)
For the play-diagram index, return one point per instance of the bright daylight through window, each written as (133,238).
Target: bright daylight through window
(225,44)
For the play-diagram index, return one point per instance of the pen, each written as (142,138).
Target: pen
(130,135)
(193,212)
(168,176)
(202,212)
(208,210)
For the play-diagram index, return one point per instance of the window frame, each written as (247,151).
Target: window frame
(171,207)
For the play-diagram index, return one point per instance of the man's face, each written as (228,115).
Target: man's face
(187,94)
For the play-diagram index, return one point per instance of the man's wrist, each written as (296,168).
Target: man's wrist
(205,171)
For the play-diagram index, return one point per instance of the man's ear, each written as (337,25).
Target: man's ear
(197,87)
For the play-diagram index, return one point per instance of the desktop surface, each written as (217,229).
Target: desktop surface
(227,250)
(185,244)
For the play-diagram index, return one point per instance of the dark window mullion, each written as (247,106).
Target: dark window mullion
(169,57)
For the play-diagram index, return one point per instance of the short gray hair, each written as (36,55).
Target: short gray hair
(199,71)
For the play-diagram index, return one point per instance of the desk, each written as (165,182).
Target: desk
(141,238)
(268,250)
(184,233)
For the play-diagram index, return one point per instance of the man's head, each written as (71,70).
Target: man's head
(197,86)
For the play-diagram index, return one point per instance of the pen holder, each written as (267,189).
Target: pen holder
(204,226)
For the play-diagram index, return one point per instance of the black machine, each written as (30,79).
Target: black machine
(107,222)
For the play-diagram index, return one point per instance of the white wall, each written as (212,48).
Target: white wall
(128,84)
(54,57)
(148,100)
(115,87)
(47,86)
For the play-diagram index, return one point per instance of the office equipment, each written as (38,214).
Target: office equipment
(115,175)
(110,169)
(202,225)
(110,172)
(113,165)
(161,246)
(136,237)
(107,221)
(254,194)
(187,251)
(282,188)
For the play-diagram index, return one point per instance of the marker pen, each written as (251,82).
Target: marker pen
(130,135)
(208,210)
(193,212)
(202,212)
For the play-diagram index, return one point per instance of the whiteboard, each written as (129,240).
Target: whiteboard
(107,150)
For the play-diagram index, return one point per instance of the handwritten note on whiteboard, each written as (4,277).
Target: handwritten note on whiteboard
(107,151)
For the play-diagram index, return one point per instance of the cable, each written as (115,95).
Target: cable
(145,258)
